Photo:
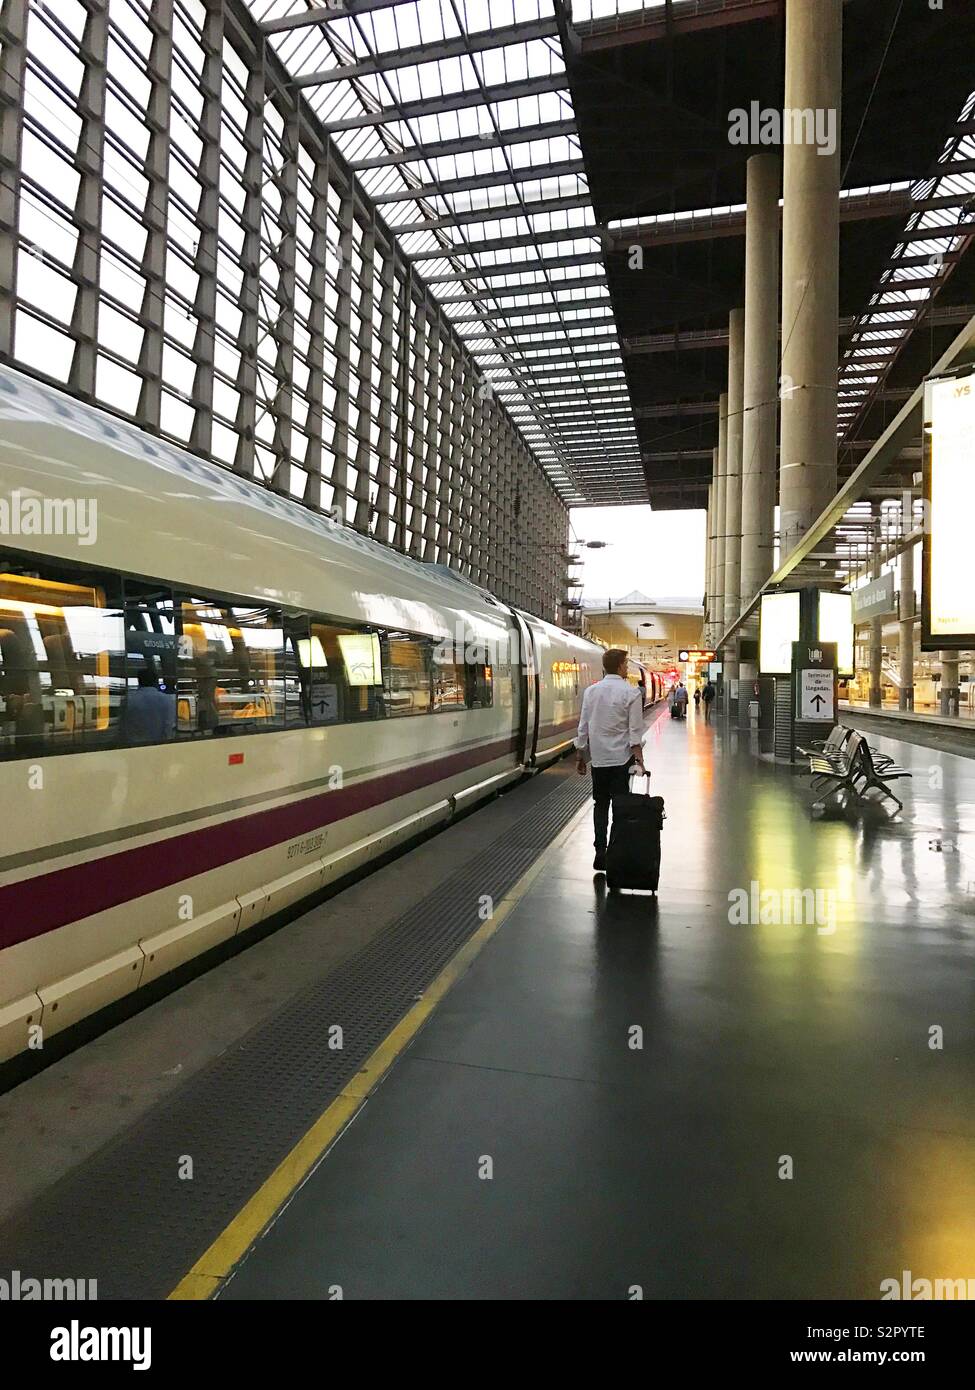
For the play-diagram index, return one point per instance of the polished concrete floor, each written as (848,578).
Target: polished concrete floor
(684,1098)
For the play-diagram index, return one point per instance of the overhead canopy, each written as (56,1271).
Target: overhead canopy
(457,119)
(521,149)
(654,86)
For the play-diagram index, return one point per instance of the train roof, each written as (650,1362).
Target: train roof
(163,513)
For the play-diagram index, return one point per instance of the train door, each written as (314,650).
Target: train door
(528,660)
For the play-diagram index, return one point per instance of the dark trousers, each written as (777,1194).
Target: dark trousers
(607,782)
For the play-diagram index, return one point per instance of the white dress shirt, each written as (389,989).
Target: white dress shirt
(611,722)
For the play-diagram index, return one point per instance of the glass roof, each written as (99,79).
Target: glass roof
(456,118)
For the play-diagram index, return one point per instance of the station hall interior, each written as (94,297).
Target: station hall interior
(382,382)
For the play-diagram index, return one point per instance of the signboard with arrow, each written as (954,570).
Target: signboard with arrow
(817,695)
(814,682)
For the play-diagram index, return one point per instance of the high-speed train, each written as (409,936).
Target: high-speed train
(651,683)
(214,703)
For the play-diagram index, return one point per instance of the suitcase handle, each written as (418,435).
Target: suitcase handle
(635,772)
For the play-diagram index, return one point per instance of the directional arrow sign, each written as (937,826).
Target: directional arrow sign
(817,694)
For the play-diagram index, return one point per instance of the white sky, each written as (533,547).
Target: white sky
(660,553)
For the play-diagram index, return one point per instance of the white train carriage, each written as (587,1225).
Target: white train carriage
(308,700)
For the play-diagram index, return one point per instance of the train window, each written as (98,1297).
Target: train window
(231,675)
(408,672)
(61,658)
(149,703)
(449,677)
(150,632)
(480,685)
(339,669)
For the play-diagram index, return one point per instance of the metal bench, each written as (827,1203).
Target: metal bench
(830,749)
(848,763)
(838,736)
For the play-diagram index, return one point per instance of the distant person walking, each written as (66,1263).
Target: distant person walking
(707,695)
(609,740)
(680,700)
(697,698)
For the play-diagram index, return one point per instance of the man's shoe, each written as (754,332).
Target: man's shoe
(599,863)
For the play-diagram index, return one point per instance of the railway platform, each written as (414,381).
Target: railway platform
(476,1074)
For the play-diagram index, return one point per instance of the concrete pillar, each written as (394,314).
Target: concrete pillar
(732,562)
(761,371)
(708,565)
(736,383)
(905,696)
(949,682)
(720,539)
(810,268)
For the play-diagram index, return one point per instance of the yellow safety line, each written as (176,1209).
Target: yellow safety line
(229,1248)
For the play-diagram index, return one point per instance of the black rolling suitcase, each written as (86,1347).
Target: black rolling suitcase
(633,856)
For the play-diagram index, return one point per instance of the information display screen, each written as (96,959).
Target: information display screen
(836,625)
(947,593)
(778,629)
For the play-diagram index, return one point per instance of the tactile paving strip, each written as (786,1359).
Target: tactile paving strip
(124,1216)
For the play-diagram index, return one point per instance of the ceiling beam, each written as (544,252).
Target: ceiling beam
(696,340)
(669,231)
(581,282)
(507,243)
(506,334)
(467,144)
(569,306)
(458,46)
(500,372)
(455,101)
(672,408)
(619,396)
(691,16)
(532,364)
(325,14)
(493,272)
(496,179)
(679,456)
(504,212)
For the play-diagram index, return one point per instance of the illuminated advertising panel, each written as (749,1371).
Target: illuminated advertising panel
(778,629)
(947,593)
(836,625)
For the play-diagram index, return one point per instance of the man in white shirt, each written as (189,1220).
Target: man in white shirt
(610,738)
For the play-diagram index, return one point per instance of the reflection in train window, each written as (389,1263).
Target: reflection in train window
(480,685)
(408,673)
(340,671)
(61,660)
(150,633)
(231,674)
(449,677)
(92,660)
